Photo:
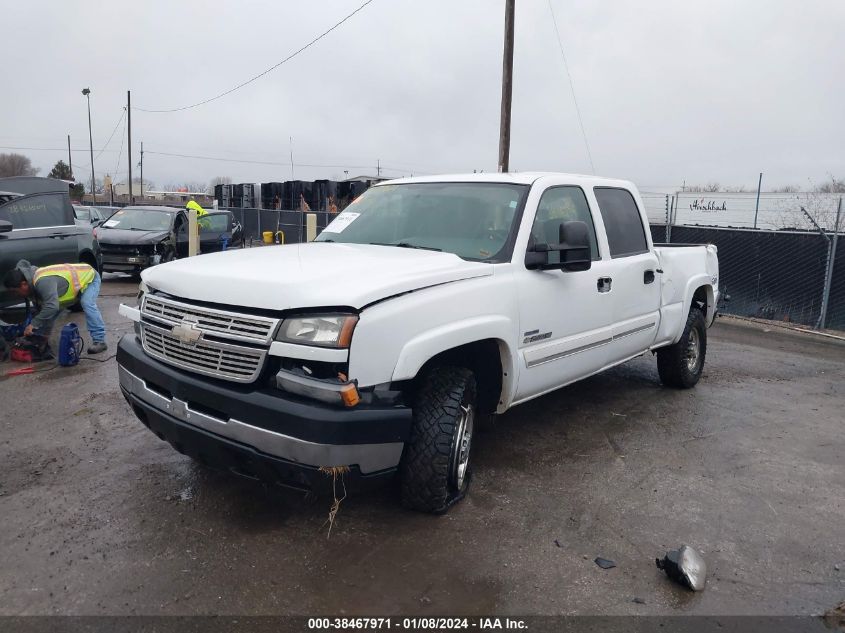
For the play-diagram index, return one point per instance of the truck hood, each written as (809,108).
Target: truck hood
(309,275)
(128,237)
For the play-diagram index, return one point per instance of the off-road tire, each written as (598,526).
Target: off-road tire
(426,472)
(673,364)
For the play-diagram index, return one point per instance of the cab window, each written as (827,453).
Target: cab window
(622,222)
(558,205)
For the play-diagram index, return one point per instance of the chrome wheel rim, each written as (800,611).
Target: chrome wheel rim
(463,444)
(693,350)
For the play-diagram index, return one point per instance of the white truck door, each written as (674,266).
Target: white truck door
(565,320)
(635,282)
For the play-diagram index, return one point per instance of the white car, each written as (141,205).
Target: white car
(425,305)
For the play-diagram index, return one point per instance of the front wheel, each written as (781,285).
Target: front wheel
(435,468)
(680,365)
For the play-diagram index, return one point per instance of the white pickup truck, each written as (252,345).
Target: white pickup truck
(425,305)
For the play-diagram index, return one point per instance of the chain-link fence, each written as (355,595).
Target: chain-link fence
(787,275)
(292,224)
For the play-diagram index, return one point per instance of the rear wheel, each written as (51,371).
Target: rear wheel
(435,469)
(680,365)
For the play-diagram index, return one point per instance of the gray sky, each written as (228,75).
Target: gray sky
(669,91)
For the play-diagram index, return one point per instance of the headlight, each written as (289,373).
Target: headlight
(322,330)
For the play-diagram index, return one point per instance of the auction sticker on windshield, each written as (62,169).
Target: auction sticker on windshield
(110,223)
(341,222)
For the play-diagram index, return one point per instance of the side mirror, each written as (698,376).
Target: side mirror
(572,253)
(575,246)
(5,226)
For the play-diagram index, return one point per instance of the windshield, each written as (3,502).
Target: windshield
(139,220)
(82,213)
(472,220)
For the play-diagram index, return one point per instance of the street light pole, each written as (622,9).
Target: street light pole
(87,93)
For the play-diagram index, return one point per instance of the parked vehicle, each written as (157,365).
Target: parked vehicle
(37,224)
(135,238)
(92,216)
(428,304)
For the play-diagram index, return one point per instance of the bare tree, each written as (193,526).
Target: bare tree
(16,165)
(736,189)
(834,185)
(786,189)
(220,180)
(710,187)
(192,187)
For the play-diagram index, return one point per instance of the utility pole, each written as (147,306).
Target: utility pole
(69,159)
(142,170)
(378,167)
(129,142)
(507,90)
(87,93)
(757,206)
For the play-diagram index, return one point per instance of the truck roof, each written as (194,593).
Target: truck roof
(520,178)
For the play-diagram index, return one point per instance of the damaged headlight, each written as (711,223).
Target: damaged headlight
(322,330)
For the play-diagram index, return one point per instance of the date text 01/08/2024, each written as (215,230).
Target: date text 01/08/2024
(431,623)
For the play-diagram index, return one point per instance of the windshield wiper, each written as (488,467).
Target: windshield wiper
(407,245)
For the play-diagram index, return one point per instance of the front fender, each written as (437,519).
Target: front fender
(426,345)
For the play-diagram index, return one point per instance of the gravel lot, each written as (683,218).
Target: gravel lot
(99,516)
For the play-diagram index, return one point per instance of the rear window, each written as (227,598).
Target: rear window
(37,211)
(622,221)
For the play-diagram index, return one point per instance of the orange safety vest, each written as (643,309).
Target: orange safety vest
(78,277)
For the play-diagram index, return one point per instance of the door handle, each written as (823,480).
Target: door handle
(603,284)
(648,277)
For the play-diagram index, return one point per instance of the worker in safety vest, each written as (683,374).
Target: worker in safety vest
(202,222)
(53,288)
(193,204)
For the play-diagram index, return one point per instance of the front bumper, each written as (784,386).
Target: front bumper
(258,431)
(126,263)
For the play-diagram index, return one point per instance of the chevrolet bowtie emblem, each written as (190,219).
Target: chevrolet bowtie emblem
(187,331)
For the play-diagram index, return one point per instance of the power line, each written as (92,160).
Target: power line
(48,149)
(572,88)
(120,151)
(122,114)
(261,74)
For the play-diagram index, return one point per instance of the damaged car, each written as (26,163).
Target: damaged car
(136,238)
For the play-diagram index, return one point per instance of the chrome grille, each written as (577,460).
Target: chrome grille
(210,358)
(241,327)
